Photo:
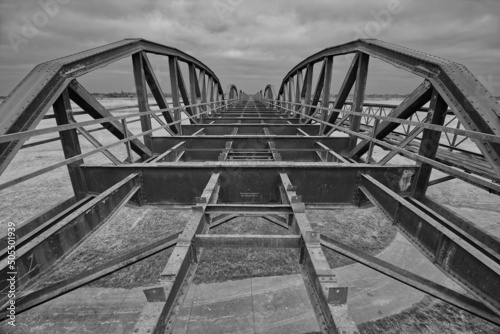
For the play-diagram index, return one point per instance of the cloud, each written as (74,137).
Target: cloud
(243,40)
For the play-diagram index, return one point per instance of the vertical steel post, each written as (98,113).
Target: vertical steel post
(211,94)
(203,89)
(325,99)
(193,88)
(172,65)
(142,95)
(70,144)
(290,96)
(127,142)
(358,98)
(430,143)
(370,149)
(306,89)
(343,93)
(298,90)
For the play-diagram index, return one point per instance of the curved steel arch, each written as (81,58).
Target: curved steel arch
(470,101)
(232,92)
(29,101)
(269,92)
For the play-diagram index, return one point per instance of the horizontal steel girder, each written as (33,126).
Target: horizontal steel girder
(250,129)
(247,241)
(249,209)
(209,146)
(230,119)
(250,182)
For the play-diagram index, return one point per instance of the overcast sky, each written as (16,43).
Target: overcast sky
(250,42)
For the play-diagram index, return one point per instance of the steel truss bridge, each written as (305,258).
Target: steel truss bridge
(272,154)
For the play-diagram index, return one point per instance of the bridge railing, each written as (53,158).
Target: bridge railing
(452,141)
(80,126)
(366,134)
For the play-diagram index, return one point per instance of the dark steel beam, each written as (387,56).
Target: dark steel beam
(299,81)
(194,88)
(28,301)
(211,91)
(473,105)
(70,143)
(34,222)
(174,84)
(203,88)
(418,282)
(184,94)
(344,91)
(325,100)
(430,143)
(230,119)
(289,148)
(250,182)
(358,98)
(89,103)
(142,95)
(317,91)
(420,96)
(305,96)
(23,240)
(461,261)
(250,129)
(486,242)
(52,243)
(249,209)
(158,94)
(247,241)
